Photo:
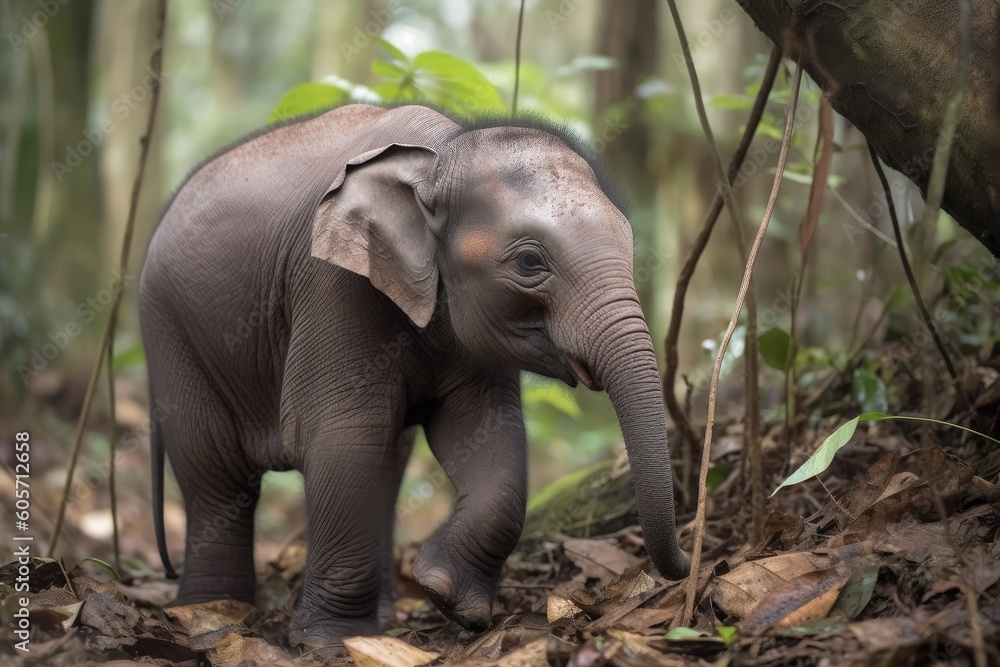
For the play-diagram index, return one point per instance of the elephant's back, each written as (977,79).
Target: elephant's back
(251,202)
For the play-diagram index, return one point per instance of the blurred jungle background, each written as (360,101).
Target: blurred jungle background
(75,102)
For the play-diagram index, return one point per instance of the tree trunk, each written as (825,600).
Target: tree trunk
(888,66)
(627,33)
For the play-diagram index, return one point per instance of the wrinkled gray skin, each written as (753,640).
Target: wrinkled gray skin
(317,291)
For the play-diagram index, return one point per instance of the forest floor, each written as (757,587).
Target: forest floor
(891,559)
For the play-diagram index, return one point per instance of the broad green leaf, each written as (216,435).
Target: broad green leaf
(388,69)
(392,50)
(454,83)
(823,457)
(304,99)
(101,564)
(774,346)
(869,391)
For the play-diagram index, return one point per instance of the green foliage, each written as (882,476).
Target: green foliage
(304,99)
(717,474)
(440,78)
(728,633)
(681,634)
(869,391)
(103,565)
(774,348)
(823,456)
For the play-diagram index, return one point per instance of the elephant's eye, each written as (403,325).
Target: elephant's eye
(529,259)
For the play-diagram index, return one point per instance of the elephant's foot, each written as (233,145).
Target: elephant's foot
(325,638)
(460,595)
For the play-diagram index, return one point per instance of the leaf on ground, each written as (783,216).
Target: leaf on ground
(558,607)
(800,600)
(742,590)
(383,651)
(234,650)
(600,559)
(205,617)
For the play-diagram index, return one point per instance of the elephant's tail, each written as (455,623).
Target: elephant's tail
(158,460)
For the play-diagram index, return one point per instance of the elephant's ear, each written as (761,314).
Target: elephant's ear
(373,222)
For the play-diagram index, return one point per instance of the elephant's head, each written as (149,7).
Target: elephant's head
(536,264)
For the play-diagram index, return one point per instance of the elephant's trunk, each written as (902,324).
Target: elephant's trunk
(622,361)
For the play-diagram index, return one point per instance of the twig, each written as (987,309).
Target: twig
(697,248)
(111,452)
(517,60)
(691,585)
(912,280)
(823,157)
(751,437)
(155,61)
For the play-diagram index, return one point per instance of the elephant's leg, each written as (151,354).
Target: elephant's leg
(404,446)
(220,488)
(349,471)
(478,437)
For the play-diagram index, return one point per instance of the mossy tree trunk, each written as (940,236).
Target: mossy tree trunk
(888,66)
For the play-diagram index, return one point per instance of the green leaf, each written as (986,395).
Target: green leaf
(556,395)
(129,357)
(774,346)
(869,391)
(100,563)
(304,99)
(857,592)
(397,632)
(680,634)
(388,70)
(737,102)
(137,568)
(454,83)
(392,50)
(729,633)
(717,474)
(822,457)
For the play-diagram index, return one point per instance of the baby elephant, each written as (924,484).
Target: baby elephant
(314,293)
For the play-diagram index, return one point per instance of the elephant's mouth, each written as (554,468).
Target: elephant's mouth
(582,373)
